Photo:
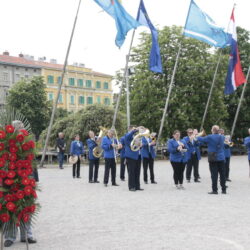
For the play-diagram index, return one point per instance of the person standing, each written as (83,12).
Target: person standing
(148,156)
(194,156)
(247,144)
(178,157)
(216,158)
(76,149)
(133,161)
(122,159)
(109,145)
(93,161)
(61,146)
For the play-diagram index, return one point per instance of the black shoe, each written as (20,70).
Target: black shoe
(140,189)
(199,177)
(197,181)
(61,168)
(132,189)
(224,192)
(213,192)
(188,181)
(228,180)
(153,182)
(145,182)
(122,179)
(105,184)
(8,243)
(115,185)
(30,241)
(74,177)
(91,181)
(79,177)
(96,181)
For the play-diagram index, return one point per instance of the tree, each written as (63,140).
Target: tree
(29,98)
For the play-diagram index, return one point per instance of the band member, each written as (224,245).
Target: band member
(178,157)
(133,161)
(148,156)
(109,145)
(60,146)
(227,153)
(216,158)
(76,149)
(122,159)
(194,155)
(93,161)
(247,144)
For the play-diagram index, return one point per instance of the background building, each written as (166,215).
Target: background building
(81,86)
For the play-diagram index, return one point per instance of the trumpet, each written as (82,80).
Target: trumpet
(153,137)
(97,151)
(136,142)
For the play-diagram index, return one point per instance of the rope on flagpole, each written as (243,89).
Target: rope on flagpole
(239,105)
(59,88)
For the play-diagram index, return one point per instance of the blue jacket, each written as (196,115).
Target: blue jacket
(227,151)
(76,148)
(91,145)
(175,155)
(128,152)
(215,143)
(122,150)
(247,144)
(146,150)
(193,147)
(109,151)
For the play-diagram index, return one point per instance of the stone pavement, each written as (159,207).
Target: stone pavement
(76,215)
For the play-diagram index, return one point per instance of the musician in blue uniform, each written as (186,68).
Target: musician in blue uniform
(216,158)
(178,157)
(122,159)
(110,145)
(247,144)
(194,156)
(93,161)
(148,156)
(133,161)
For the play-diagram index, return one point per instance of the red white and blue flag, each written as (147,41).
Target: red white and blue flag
(235,76)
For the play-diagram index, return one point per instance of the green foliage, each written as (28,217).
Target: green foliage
(29,98)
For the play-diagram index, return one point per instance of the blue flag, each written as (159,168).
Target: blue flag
(155,64)
(202,27)
(124,22)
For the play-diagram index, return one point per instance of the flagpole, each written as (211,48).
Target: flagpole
(211,91)
(59,88)
(168,96)
(239,105)
(124,80)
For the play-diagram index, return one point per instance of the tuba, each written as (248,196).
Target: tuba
(97,151)
(136,142)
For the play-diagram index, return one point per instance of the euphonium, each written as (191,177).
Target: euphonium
(97,151)
(136,142)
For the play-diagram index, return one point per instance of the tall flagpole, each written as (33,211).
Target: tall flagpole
(239,105)
(211,91)
(168,96)
(59,88)
(124,80)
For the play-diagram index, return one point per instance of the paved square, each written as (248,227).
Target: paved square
(76,215)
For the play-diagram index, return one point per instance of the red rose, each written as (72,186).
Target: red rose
(26,146)
(15,187)
(9,182)
(25,181)
(32,144)
(1,146)
(12,142)
(4,217)
(1,206)
(12,157)
(24,132)
(26,217)
(30,157)
(10,206)
(1,194)
(20,137)
(2,134)
(29,171)
(20,194)
(28,190)
(5,156)
(3,174)
(19,163)
(13,149)
(32,182)
(32,208)
(27,164)
(9,128)
(8,197)
(12,165)
(22,173)
(2,162)
(11,174)
(34,194)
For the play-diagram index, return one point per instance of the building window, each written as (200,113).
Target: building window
(34,70)
(50,79)
(72,81)
(80,82)
(26,69)
(51,96)
(89,84)
(90,100)
(17,68)
(98,84)
(106,101)
(106,85)
(98,99)
(59,78)
(5,76)
(72,100)
(17,77)
(81,99)
(60,99)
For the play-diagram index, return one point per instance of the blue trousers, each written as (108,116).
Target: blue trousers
(60,157)
(12,235)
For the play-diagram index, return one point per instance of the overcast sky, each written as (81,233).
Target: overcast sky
(42,27)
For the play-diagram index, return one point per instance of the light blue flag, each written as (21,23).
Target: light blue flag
(202,27)
(124,22)
(155,64)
